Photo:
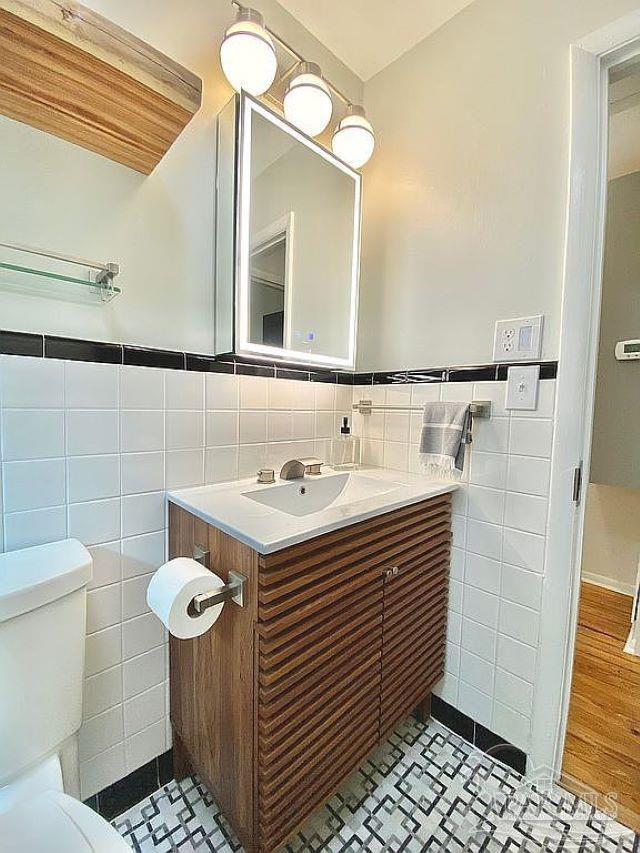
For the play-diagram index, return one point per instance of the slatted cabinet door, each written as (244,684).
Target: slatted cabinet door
(414,614)
(321,658)
(320,649)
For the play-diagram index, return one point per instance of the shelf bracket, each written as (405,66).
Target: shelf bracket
(105,279)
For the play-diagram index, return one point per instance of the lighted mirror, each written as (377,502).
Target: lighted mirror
(288,242)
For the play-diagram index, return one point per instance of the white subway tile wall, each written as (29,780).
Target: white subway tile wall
(499,540)
(87,450)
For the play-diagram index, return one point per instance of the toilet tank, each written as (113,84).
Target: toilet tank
(42,632)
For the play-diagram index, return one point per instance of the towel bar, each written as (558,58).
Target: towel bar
(479,408)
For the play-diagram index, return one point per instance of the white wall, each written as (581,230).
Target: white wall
(159,228)
(624,138)
(615,454)
(465,195)
(611,548)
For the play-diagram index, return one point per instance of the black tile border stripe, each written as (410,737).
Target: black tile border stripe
(414,376)
(243,369)
(287,373)
(473,374)
(478,735)
(390,377)
(208,364)
(21,343)
(144,357)
(115,799)
(75,349)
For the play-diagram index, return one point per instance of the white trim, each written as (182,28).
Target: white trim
(612,36)
(283,226)
(609,583)
(584,239)
(248,106)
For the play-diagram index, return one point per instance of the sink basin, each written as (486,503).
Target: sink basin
(303,497)
(270,517)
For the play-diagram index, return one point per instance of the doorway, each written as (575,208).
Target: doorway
(267,292)
(271,284)
(602,741)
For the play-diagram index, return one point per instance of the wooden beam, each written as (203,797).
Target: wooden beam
(73,73)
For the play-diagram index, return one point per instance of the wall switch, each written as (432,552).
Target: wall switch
(522,387)
(519,339)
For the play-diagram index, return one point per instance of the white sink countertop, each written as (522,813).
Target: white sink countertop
(274,516)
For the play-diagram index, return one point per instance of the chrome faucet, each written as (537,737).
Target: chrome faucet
(295,469)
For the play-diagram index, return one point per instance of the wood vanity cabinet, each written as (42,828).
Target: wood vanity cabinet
(340,638)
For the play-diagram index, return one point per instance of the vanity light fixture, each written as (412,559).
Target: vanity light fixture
(353,140)
(250,64)
(247,53)
(307,102)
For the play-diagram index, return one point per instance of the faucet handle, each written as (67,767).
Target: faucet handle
(266,475)
(312,465)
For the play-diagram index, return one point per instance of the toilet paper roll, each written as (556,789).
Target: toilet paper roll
(171,590)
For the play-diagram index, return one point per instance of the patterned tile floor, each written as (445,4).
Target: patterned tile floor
(424,790)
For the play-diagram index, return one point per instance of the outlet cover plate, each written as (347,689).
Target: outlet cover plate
(522,388)
(519,339)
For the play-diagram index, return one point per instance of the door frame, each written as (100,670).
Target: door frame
(284,225)
(590,61)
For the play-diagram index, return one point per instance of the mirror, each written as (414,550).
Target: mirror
(296,220)
(270,283)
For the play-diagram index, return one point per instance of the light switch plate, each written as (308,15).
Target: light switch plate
(519,339)
(522,387)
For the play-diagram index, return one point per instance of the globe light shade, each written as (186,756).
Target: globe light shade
(247,54)
(353,140)
(307,102)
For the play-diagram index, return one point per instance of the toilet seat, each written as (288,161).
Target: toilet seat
(56,823)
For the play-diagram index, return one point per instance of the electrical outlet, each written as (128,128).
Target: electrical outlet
(522,387)
(519,339)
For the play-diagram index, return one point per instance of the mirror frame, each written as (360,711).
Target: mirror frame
(249,107)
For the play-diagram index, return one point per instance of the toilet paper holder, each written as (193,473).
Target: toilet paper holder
(233,590)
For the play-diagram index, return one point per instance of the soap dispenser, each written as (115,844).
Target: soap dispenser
(345,448)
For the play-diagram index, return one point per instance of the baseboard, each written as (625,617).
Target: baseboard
(478,735)
(117,798)
(632,646)
(609,583)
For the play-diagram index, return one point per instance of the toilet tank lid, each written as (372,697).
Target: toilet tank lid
(36,576)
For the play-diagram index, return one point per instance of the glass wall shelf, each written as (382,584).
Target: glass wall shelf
(23,269)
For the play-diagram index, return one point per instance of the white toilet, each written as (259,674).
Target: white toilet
(43,593)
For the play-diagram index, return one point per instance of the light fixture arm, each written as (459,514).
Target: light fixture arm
(298,57)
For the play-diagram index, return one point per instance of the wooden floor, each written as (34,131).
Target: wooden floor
(602,749)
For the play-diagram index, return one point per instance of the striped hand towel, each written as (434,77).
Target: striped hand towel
(446,428)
